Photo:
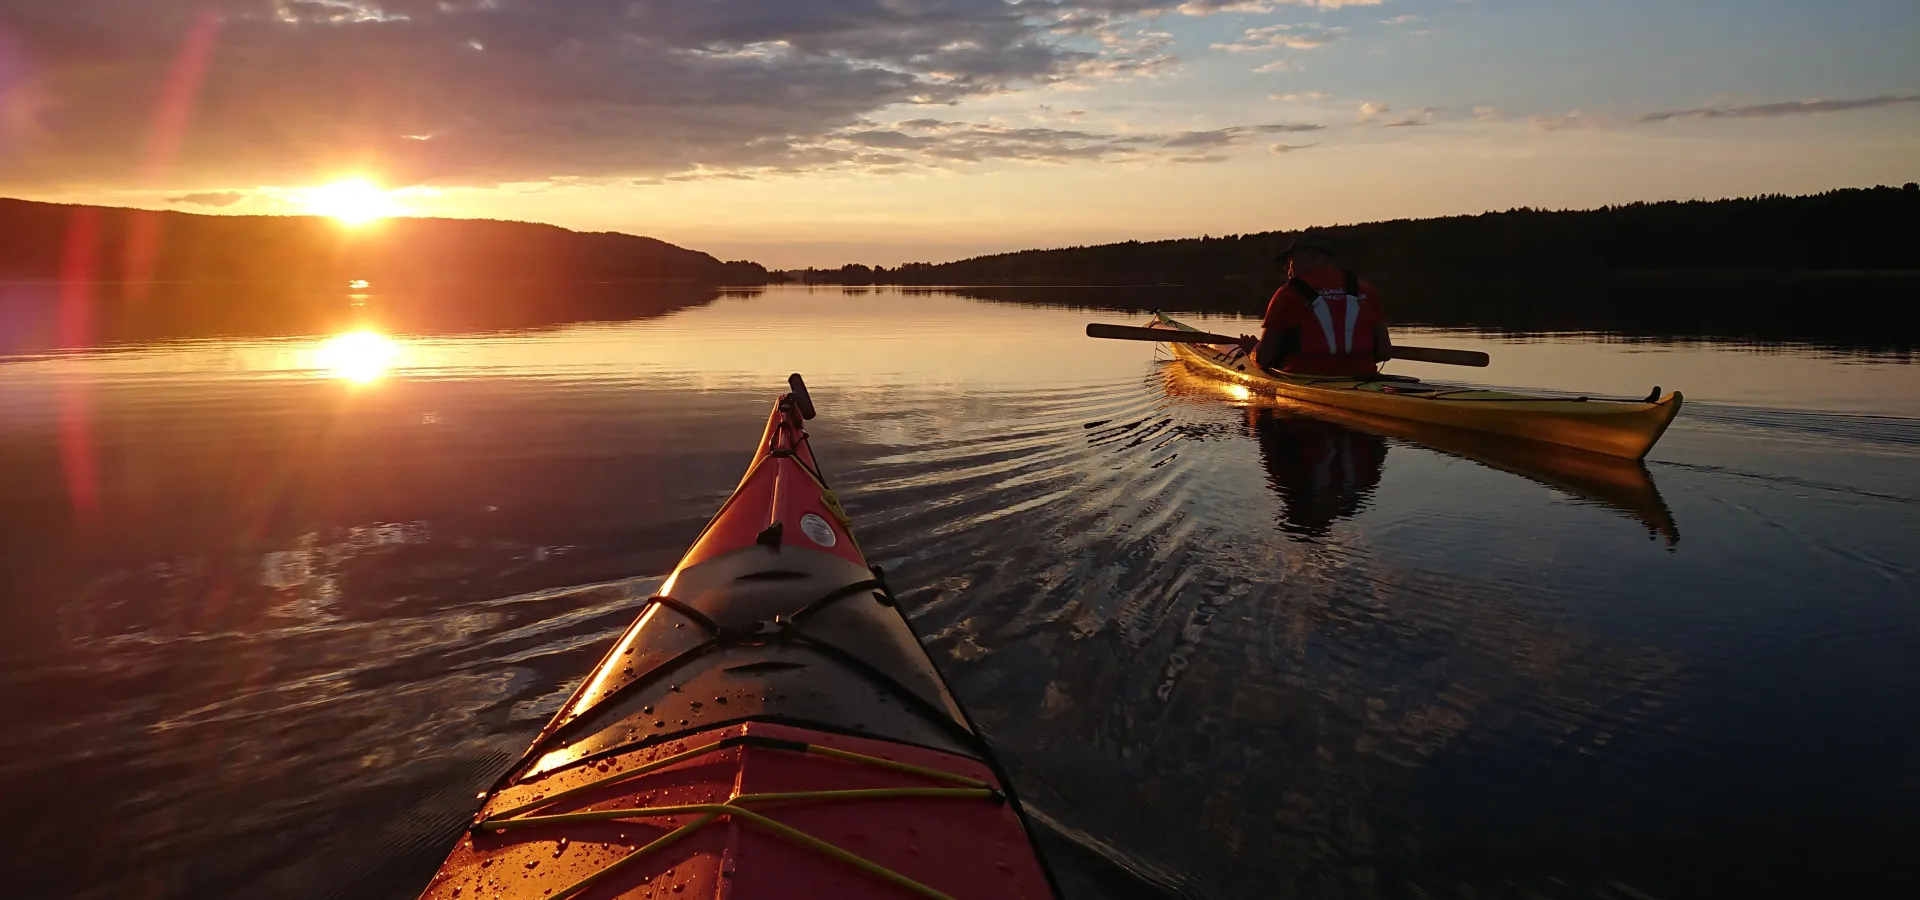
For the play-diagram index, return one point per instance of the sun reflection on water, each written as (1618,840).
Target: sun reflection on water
(358,356)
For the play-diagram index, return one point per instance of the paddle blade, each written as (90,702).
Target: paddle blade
(1136,333)
(1443,357)
(802,401)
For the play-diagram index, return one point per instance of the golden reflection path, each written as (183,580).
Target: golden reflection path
(361,357)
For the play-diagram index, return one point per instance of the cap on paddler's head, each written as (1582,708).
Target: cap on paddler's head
(1308,240)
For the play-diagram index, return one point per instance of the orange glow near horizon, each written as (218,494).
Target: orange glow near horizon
(361,357)
(352,201)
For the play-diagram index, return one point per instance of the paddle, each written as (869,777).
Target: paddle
(1414,354)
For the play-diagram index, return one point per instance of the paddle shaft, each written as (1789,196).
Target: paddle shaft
(1414,354)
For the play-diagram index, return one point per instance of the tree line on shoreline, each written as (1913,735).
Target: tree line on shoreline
(1857,230)
(95,244)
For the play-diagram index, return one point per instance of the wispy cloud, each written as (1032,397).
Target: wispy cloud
(1414,118)
(1284,149)
(1207,7)
(212,198)
(1579,119)
(1273,37)
(944,144)
(1564,121)
(1227,137)
(1278,65)
(1779,110)
(1298,96)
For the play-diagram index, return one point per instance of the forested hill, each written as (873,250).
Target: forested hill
(1856,229)
(44,241)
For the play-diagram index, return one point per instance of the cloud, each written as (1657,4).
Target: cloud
(1574,119)
(1416,118)
(1284,149)
(212,92)
(1278,65)
(1779,110)
(1579,119)
(1272,37)
(1397,21)
(212,198)
(1227,137)
(1209,7)
(1298,96)
(1206,7)
(936,143)
(1373,109)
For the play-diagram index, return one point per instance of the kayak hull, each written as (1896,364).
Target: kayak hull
(769,726)
(1622,485)
(1627,430)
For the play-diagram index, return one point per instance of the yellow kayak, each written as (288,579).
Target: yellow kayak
(1621,485)
(1614,428)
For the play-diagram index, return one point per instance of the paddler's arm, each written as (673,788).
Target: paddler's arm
(1278,340)
(1273,347)
(1382,341)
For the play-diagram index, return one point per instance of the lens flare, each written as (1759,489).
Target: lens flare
(358,356)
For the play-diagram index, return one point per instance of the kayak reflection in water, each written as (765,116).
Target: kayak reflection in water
(1322,471)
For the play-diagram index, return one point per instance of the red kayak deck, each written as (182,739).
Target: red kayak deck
(966,844)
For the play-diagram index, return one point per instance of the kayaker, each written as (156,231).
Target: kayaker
(1324,320)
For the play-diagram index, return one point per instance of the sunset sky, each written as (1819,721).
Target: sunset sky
(818,132)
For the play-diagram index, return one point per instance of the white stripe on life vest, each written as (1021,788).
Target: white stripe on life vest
(1326,322)
(1353,315)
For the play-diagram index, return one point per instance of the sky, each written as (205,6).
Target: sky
(821,132)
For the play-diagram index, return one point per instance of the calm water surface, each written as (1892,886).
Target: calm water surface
(272,610)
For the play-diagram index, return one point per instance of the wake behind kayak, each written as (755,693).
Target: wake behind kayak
(769,727)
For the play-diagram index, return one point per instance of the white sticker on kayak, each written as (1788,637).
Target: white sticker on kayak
(818,530)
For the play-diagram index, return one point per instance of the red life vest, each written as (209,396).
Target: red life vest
(1336,330)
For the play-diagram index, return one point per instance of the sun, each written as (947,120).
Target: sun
(352,201)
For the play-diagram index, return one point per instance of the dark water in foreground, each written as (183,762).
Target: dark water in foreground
(275,608)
